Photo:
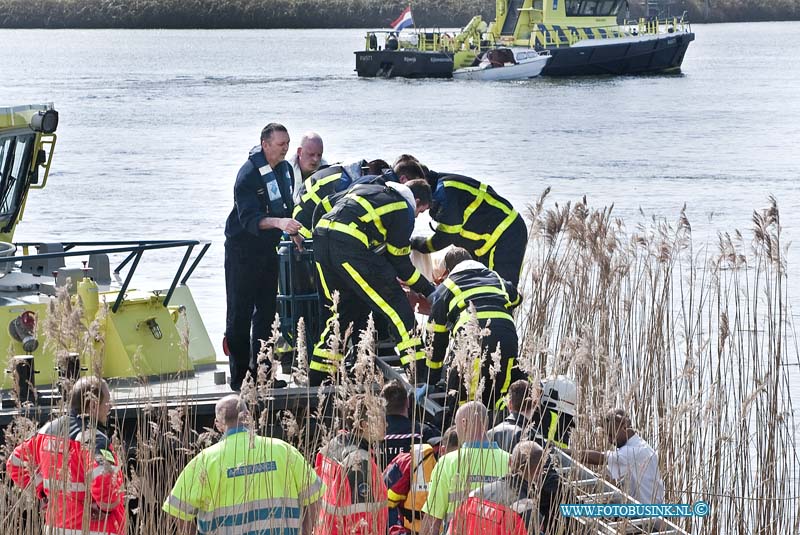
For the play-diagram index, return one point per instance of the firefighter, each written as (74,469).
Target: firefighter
(472,215)
(470,283)
(340,177)
(72,466)
(362,247)
(245,483)
(407,478)
(552,420)
(354,501)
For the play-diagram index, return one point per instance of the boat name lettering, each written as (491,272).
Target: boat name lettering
(366,58)
(410,59)
(440,60)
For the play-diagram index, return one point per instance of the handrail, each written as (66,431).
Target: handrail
(135,249)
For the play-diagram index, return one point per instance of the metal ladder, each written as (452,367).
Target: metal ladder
(588,487)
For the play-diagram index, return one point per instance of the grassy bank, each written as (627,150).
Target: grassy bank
(315,14)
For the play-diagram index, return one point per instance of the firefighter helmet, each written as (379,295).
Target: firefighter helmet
(560,394)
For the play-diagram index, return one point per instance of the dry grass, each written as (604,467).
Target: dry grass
(696,343)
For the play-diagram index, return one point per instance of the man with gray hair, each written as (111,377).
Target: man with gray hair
(633,464)
(477,461)
(307,160)
(246,483)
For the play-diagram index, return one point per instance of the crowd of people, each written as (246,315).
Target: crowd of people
(383,472)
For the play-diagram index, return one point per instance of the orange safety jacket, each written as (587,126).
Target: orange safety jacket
(477,516)
(354,502)
(407,478)
(66,460)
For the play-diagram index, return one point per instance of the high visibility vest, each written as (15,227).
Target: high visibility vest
(477,516)
(73,467)
(355,498)
(422,463)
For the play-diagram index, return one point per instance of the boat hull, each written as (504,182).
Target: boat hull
(403,63)
(623,56)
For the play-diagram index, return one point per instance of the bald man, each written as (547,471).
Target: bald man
(245,483)
(477,461)
(307,160)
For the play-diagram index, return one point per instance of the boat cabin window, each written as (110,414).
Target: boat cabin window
(15,162)
(592,8)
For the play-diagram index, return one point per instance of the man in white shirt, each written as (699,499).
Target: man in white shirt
(307,160)
(633,464)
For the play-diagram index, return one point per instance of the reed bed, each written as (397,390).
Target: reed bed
(696,342)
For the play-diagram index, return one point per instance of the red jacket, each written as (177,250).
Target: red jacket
(91,467)
(354,502)
(477,516)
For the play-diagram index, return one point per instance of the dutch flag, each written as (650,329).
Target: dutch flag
(404,20)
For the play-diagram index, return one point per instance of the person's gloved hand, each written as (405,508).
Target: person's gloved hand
(419,243)
(420,392)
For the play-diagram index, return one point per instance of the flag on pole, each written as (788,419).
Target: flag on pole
(404,20)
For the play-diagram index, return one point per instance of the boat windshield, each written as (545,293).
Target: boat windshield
(15,160)
(592,8)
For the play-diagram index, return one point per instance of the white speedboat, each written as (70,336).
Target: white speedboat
(505,64)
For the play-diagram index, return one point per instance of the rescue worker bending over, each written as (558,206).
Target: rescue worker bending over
(90,476)
(472,215)
(340,177)
(407,478)
(362,247)
(470,283)
(458,473)
(354,502)
(246,483)
(524,501)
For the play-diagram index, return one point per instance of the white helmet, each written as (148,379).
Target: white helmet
(559,393)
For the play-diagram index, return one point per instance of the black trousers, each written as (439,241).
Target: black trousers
(251,285)
(366,283)
(508,253)
(504,333)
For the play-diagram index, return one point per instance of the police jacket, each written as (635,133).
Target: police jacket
(380,219)
(260,191)
(470,283)
(314,189)
(73,467)
(401,433)
(468,214)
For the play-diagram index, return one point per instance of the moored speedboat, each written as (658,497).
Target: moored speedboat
(514,64)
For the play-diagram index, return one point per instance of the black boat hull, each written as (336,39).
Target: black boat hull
(664,54)
(403,63)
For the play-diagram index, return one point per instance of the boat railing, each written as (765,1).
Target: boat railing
(135,250)
(545,36)
(422,39)
(656,26)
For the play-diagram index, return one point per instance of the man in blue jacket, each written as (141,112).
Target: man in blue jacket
(262,211)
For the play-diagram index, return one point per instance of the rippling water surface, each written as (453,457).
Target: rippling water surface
(155,124)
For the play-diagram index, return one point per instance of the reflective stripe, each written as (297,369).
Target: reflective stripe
(551,432)
(330,355)
(266,504)
(180,505)
(56,485)
(265,169)
(320,367)
(436,327)
(433,365)
(394,498)
(254,516)
(381,302)
(408,359)
(502,227)
(323,282)
(500,404)
(304,232)
(16,461)
(305,495)
(398,251)
(482,315)
(350,229)
(104,469)
(313,188)
(413,278)
(367,507)
(429,244)
(460,300)
(449,229)
(411,342)
(107,506)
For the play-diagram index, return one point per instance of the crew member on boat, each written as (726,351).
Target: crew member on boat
(261,212)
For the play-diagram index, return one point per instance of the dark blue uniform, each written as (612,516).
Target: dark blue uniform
(251,259)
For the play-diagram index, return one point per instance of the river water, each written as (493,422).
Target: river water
(155,124)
